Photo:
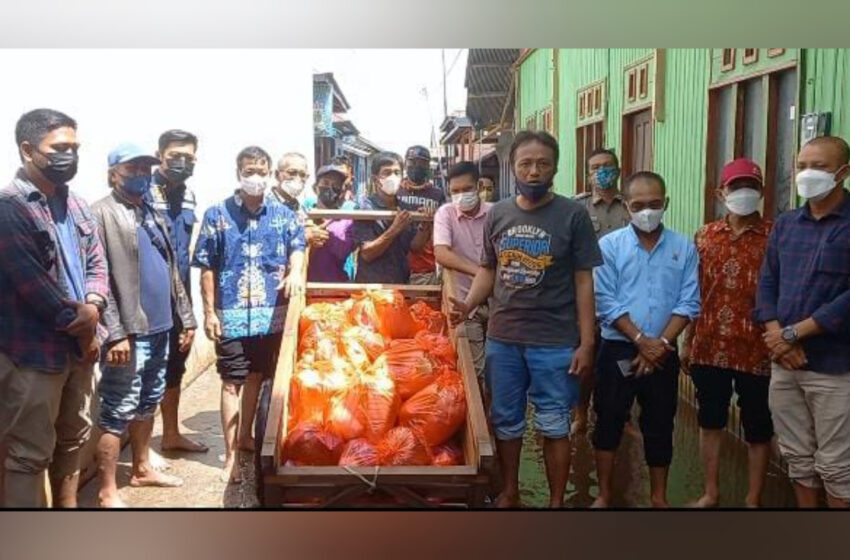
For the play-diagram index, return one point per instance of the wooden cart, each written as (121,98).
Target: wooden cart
(463,486)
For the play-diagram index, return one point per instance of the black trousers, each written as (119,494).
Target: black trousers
(657,394)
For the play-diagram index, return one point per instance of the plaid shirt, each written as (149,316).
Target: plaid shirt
(33,296)
(806,273)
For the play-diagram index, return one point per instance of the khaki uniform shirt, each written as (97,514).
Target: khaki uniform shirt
(605,218)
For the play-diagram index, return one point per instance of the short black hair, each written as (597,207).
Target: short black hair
(341,160)
(34,125)
(176,136)
(600,151)
(383,159)
(835,141)
(490,178)
(463,168)
(646,176)
(253,152)
(528,136)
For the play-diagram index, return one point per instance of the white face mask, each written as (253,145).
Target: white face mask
(390,184)
(465,201)
(743,202)
(292,187)
(647,220)
(814,184)
(253,185)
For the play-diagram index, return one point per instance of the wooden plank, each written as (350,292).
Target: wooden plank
(370,215)
(344,289)
(383,472)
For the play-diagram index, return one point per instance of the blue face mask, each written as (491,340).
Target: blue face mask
(533,192)
(606,177)
(137,186)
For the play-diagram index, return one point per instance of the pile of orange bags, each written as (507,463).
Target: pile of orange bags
(375,384)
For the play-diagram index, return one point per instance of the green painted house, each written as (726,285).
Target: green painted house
(684,112)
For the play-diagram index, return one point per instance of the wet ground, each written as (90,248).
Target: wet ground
(203,488)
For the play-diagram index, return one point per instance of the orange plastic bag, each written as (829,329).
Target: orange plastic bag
(359,453)
(384,311)
(438,410)
(409,366)
(310,444)
(429,318)
(438,346)
(314,385)
(344,417)
(363,313)
(403,446)
(447,455)
(323,316)
(372,342)
(379,404)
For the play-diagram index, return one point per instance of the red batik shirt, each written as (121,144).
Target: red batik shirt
(725,334)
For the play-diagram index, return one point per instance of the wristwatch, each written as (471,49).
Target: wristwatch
(789,334)
(97,301)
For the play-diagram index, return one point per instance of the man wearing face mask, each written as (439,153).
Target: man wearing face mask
(53,288)
(724,346)
(250,251)
(176,204)
(608,213)
(383,248)
(486,189)
(292,178)
(537,259)
(147,298)
(331,242)
(418,194)
(803,301)
(458,240)
(647,291)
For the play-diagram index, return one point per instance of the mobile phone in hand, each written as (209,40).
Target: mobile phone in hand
(626,368)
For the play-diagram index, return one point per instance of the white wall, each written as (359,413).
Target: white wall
(229,98)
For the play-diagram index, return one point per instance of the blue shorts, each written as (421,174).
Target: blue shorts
(133,391)
(516,373)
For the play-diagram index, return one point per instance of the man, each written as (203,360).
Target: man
(458,240)
(724,345)
(487,189)
(331,241)
(175,203)
(647,291)
(291,175)
(349,186)
(539,250)
(418,194)
(146,300)
(608,213)
(383,249)
(53,287)
(250,251)
(804,302)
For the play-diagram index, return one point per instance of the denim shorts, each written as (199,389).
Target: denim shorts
(517,373)
(133,391)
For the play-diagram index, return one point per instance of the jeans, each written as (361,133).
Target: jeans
(133,391)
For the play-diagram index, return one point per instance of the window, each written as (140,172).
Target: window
(591,102)
(632,93)
(531,122)
(728,61)
(750,118)
(643,82)
(548,125)
(597,99)
(582,96)
(588,138)
(771,53)
(750,56)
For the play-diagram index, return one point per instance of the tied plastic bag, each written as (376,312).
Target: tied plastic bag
(447,455)
(359,453)
(310,444)
(438,346)
(379,404)
(429,319)
(323,316)
(313,387)
(403,446)
(370,341)
(344,417)
(408,365)
(384,311)
(438,410)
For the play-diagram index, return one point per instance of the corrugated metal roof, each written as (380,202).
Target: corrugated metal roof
(488,79)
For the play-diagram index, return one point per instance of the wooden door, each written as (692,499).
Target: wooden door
(637,142)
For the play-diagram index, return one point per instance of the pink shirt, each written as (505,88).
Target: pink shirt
(464,235)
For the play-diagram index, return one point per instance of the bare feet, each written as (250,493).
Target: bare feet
(155,478)
(660,504)
(579,425)
(704,502)
(246,444)
(507,501)
(182,443)
(110,501)
(599,503)
(157,461)
(231,473)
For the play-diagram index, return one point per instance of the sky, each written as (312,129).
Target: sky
(385,90)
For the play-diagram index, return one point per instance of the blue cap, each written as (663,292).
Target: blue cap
(129,152)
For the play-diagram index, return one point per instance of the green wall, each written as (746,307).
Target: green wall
(826,86)
(535,89)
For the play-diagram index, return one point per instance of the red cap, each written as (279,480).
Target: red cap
(741,168)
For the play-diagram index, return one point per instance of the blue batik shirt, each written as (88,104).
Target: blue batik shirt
(249,253)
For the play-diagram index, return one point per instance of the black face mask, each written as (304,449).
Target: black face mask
(417,174)
(61,166)
(330,198)
(179,169)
